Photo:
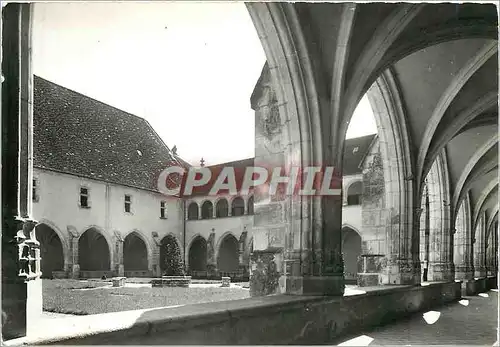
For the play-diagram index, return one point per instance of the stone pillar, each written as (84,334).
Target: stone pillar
(490,263)
(441,267)
(199,211)
(21,284)
(293,238)
(464,267)
(75,270)
(479,247)
(211,261)
(495,247)
(241,259)
(120,269)
(118,259)
(424,236)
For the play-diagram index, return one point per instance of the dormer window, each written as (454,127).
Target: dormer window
(355,150)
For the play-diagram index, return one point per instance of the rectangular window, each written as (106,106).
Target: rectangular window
(163,210)
(35,190)
(84,197)
(128,203)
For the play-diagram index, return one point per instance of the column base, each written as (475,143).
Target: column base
(443,272)
(368,279)
(370,266)
(463,272)
(312,285)
(14,304)
(469,287)
(403,272)
(480,272)
(75,271)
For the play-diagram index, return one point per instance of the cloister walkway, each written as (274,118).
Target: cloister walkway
(470,321)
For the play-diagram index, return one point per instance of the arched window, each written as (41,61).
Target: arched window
(221,208)
(354,193)
(207,210)
(193,211)
(238,207)
(250,205)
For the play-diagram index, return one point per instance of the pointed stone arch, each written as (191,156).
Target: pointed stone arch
(51,250)
(137,252)
(441,267)
(95,250)
(65,241)
(390,117)
(170,239)
(227,253)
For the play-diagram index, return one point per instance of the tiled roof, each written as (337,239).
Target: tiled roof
(354,152)
(239,172)
(78,135)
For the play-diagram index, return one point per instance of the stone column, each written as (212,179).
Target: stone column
(21,285)
(490,271)
(495,247)
(464,267)
(211,261)
(75,270)
(479,248)
(120,269)
(441,267)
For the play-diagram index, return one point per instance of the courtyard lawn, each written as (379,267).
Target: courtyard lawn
(93,297)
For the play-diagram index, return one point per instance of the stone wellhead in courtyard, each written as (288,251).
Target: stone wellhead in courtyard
(111,236)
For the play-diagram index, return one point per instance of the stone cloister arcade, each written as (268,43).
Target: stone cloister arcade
(430,72)
(220,208)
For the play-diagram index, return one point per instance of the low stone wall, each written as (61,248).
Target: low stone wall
(492,282)
(138,273)
(95,274)
(275,319)
(479,285)
(59,275)
(171,281)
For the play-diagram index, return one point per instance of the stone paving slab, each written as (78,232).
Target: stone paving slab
(471,321)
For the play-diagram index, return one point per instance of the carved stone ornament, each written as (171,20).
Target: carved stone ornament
(28,249)
(72,231)
(118,236)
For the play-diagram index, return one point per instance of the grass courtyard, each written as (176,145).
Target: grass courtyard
(92,297)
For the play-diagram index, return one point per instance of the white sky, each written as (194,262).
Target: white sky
(188,68)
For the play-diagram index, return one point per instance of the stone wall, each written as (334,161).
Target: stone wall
(277,319)
(58,207)
(270,224)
